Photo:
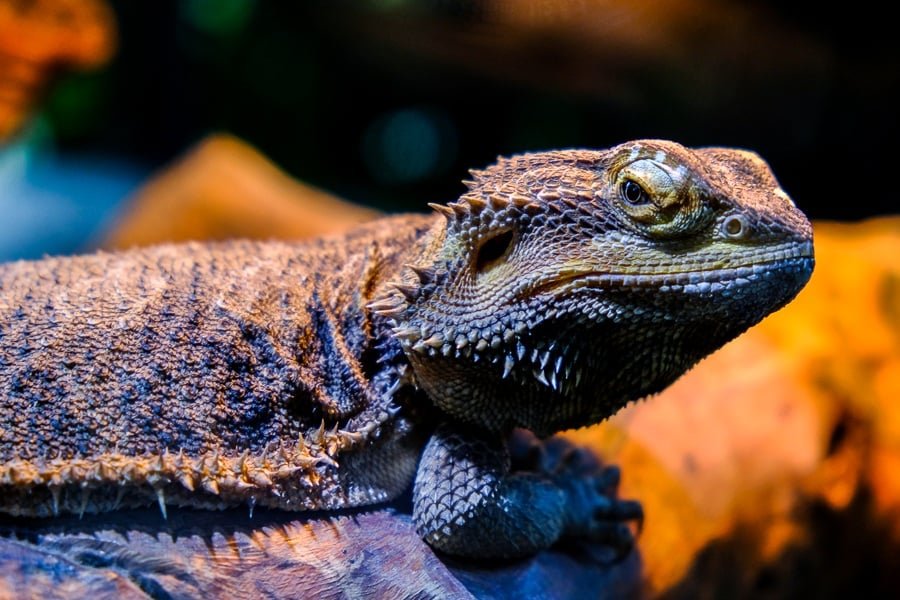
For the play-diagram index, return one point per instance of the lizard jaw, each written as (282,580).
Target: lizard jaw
(798,260)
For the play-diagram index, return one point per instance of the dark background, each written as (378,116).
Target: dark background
(388,102)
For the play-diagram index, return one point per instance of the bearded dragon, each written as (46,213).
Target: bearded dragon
(334,373)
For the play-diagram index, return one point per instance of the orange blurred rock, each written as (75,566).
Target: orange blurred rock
(800,410)
(37,39)
(224,189)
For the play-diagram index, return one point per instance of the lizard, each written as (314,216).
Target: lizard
(340,372)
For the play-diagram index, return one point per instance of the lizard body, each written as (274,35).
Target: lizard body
(331,374)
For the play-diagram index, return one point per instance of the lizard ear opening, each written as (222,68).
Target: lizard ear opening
(492,250)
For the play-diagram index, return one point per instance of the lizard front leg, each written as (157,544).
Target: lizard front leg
(468,501)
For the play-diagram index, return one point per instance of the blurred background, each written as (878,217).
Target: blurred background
(387,102)
(773,469)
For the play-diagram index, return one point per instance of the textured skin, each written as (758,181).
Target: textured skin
(205,373)
(312,376)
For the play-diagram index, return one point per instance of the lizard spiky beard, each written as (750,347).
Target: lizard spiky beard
(554,265)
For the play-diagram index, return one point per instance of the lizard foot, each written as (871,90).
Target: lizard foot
(487,496)
(594,513)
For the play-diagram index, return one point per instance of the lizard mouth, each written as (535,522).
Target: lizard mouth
(796,263)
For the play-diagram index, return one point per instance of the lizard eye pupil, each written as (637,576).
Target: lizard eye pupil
(633,193)
(493,249)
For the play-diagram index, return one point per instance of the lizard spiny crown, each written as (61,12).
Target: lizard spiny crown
(634,262)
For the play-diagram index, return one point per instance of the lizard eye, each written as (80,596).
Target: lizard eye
(633,193)
(493,249)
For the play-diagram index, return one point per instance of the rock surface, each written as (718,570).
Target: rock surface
(197,554)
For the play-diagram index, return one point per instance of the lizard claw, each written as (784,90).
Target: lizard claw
(581,461)
(595,515)
(607,481)
(621,511)
(613,543)
(554,456)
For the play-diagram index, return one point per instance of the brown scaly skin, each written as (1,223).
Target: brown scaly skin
(310,376)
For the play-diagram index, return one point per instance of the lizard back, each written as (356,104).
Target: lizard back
(215,374)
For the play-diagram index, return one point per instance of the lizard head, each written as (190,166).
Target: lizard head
(566,284)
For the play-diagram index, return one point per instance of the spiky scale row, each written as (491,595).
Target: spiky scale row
(443,209)
(242,476)
(476,201)
(409,291)
(406,293)
(503,345)
(425,274)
